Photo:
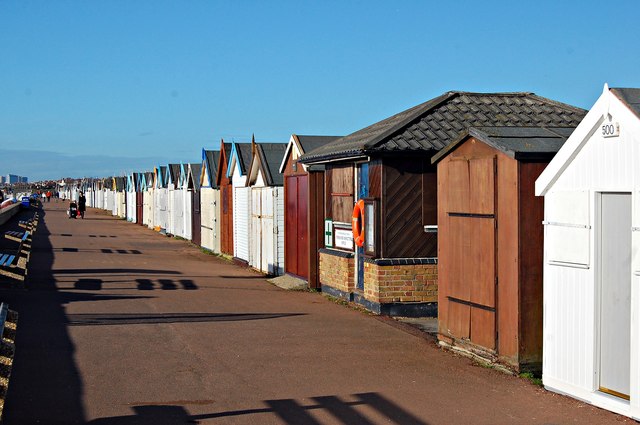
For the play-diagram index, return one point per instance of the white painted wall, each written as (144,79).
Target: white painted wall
(588,165)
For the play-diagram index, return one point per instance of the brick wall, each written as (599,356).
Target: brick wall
(401,283)
(337,272)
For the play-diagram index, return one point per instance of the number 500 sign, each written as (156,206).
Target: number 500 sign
(611,129)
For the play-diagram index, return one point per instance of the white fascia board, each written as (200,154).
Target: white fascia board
(574,144)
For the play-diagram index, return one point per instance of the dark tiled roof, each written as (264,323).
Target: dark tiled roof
(310,143)
(631,97)
(211,158)
(432,125)
(271,157)
(175,171)
(163,175)
(196,169)
(244,151)
(522,143)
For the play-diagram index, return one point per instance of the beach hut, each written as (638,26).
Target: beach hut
(193,189)
(239,159)
(304,209)
(490,242)
(161,193)
(266,235)
(186,197)
(226,200)
(591,290)
(176,201)
(210,201)
(121,196)
(140,188)
(130,194)
(148,198)
(381,196)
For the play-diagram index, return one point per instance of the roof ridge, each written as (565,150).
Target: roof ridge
(421,109)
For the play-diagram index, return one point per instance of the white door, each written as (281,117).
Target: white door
(256,229)
(268,252)
(615,293)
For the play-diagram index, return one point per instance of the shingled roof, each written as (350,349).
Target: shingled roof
(631,98)
(432,125)
(270,156)
(521,143)
(211,159)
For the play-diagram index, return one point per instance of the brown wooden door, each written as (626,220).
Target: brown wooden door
(139,207)
(196,230)
(296,226)
(226,224)
(471,262)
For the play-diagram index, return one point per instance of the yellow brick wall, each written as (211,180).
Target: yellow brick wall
(337,272)
(405,283)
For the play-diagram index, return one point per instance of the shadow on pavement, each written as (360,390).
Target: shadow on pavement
(145,319)
(45,386)
(290,411)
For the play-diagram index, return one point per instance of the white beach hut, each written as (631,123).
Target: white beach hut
(161,204)
(591,284)
(237,172)
(210,201)
(266,241)
(130,194)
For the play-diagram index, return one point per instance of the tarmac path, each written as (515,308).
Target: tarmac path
(121,325)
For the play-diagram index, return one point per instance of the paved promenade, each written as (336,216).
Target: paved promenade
(120,325)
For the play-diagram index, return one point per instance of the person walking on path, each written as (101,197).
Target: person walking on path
(82,204)
(48,196)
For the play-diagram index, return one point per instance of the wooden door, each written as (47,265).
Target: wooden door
(268,259)
(226,240)
(471,257)
(615,293)
(255,245)
(196,218)
(139,207)
(296,227)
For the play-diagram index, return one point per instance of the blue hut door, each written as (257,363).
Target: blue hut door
(362,192)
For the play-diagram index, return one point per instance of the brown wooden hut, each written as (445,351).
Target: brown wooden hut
(490,249)
(226,200)
(304,209)
(388,166)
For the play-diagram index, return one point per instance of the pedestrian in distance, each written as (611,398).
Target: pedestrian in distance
(82,204)
(48,196)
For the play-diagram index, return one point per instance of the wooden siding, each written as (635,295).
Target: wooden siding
(531,253)
(402,230)
(316,226)
(490,253)
(226,207)
(341,192)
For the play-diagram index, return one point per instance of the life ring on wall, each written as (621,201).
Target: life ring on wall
(357,223)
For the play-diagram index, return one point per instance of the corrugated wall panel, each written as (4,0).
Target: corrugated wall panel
(241,213)
(279,212)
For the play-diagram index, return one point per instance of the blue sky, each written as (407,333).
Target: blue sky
(158,80)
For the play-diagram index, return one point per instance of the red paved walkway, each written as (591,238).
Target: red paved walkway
(121,325)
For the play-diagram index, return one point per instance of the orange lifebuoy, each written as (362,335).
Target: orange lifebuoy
(357,223)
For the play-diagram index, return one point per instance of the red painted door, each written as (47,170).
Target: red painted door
(296,227)
(139,207)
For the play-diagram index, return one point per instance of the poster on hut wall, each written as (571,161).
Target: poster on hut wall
(343,238)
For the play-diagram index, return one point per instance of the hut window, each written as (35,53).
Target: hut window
(567,228)
(341,193)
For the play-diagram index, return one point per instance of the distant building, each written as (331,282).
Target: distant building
(3,179)
(12,178)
